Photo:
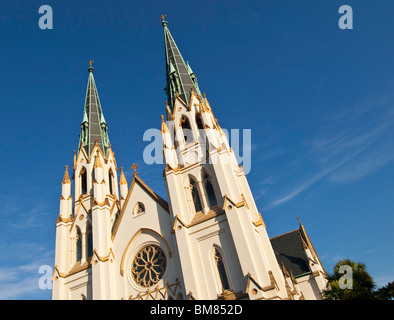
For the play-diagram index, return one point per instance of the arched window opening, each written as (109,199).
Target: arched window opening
(110,179)
(209,190)
(221,269)
(89,239)
(195,196)
(84,181)
(199,122)
(186,129)
(79,245)
(139,208)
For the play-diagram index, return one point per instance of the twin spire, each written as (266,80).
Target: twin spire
(180,77)
(180,80)
(94,129)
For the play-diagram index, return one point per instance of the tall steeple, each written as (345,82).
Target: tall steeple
(180,77)
(93,127)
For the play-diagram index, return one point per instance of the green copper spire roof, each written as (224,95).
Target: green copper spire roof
(180,77)
(93,126)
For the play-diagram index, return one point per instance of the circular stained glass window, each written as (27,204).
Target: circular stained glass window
(148,266)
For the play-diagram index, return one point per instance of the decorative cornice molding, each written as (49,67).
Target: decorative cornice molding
(259,222)
(100,258)
(237,204)
(101,204)
(64,220)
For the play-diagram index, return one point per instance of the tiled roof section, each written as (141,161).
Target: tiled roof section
(289,250)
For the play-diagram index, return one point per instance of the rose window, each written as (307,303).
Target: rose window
(148,266)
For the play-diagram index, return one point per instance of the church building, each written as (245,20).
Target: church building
(117,239)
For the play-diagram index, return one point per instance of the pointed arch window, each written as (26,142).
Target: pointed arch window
(200,125)
(79,245)
(195,195)
(110,179)
(186,129)
(221,270)
(210,192)
(139,208)
(89,240)
(84,181)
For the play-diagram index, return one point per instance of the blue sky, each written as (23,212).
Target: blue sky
(319,101)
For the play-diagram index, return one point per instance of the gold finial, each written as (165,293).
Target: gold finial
(122,177)
(66,178)
(163,125)
(134,167)
(163,16)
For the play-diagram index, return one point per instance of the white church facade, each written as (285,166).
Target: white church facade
(119,240)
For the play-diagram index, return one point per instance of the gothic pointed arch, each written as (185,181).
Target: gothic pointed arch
(89,239)
(83,178)
(195,194)
(78,249)
(209,189)
(111,181)
(139,208)
(199,121)
(221,270)
(184,124)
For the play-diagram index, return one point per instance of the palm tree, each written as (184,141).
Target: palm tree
(386,292)
(355,285)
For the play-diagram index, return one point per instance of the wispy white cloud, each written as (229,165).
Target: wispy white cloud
(22,280)
(359,142)
(14,290)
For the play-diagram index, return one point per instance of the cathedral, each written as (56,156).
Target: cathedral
(117,239)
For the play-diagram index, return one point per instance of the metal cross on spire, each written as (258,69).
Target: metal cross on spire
(164,23)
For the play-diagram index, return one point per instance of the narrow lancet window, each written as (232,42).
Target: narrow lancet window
(84,182)
(186,129)
(110,178)
(79,245)
(199,122)
(89,239)
(195,196)
(221,269)
(210,191)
